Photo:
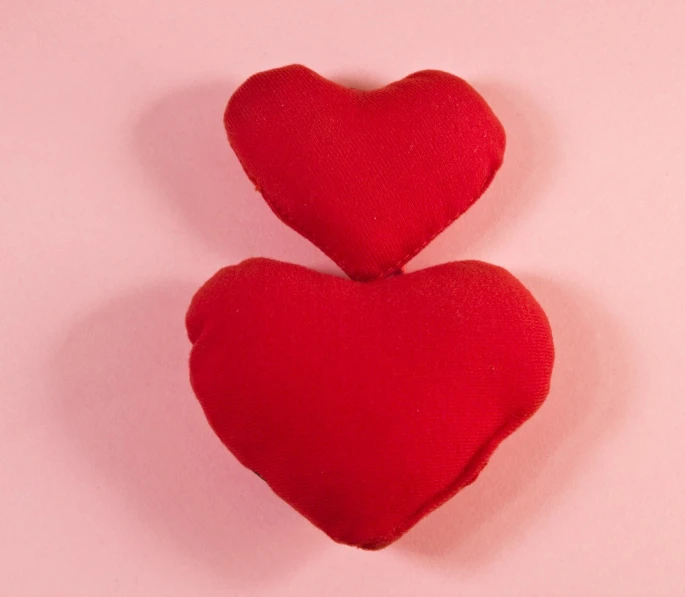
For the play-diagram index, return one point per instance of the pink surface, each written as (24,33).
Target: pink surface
(120,196)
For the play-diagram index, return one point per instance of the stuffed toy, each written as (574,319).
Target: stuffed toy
(366,402)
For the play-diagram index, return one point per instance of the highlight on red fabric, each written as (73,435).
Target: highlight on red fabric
(367,405)
(370,177)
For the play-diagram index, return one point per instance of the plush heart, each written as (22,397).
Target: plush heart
(370,177)
(367,405)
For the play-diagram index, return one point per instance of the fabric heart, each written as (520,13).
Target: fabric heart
(370,177)
(367,405)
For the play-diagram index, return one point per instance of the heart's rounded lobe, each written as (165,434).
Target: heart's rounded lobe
(370,177)
(367,405)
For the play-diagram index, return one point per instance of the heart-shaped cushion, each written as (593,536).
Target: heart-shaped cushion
(367,405)
(370,177)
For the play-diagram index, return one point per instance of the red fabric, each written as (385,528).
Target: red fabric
(370,177)
(367,405)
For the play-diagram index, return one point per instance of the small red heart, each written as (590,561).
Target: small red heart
(367,405)
(370,177)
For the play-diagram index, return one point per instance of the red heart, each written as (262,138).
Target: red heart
(366,406)
(370,177)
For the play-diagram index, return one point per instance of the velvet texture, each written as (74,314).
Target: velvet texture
(370,177)
(367,405)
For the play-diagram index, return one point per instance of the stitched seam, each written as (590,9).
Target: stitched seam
(287,219)
(449,222)
(469,475)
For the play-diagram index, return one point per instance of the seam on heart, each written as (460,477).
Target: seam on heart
(414,252)
(287,219)
(469,475)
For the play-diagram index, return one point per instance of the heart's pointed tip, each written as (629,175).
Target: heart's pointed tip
(375,546)
(368,543)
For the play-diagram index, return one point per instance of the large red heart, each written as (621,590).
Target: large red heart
(367,405)
(370,177)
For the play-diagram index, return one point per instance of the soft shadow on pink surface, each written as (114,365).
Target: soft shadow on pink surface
(182,146)
(590,391)
(127,404)
(123,372)
(529,162)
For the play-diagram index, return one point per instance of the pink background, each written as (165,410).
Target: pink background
(120,196)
